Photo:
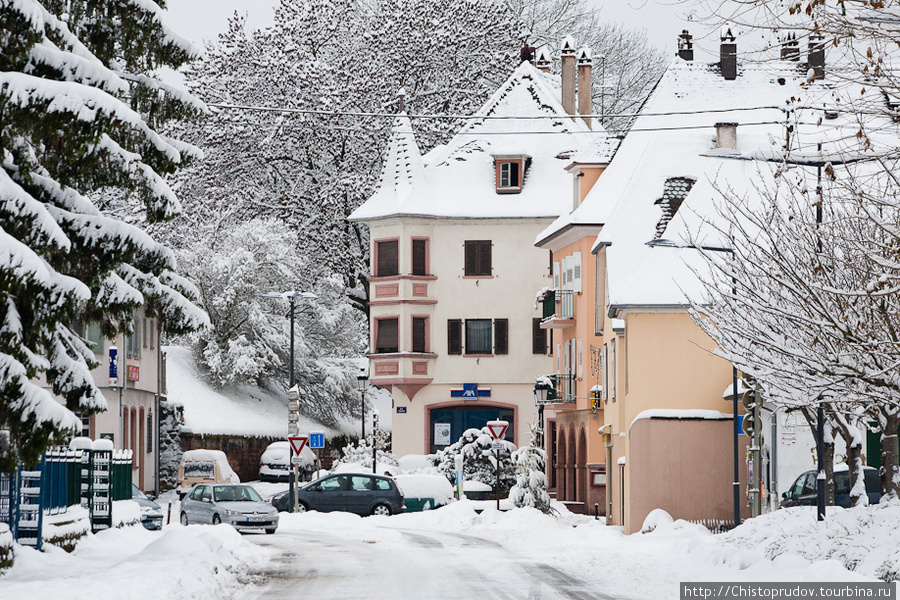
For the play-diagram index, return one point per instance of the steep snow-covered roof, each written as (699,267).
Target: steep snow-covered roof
(459,177)
(642,195)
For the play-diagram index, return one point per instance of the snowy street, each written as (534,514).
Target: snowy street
(392,562)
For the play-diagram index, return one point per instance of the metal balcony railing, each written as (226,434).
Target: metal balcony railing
(559,304)
(563,390)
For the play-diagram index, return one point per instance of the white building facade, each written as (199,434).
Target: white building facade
(455,330)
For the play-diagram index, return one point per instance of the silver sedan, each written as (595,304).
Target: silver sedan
(238,505)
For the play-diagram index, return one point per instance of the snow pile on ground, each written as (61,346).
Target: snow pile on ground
(862,540)
(178,563)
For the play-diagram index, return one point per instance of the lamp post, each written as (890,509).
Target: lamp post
(542,388)
(362,381)
(291,296)
(736,426)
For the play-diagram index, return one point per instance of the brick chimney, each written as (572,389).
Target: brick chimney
(790,48)
(568,75)
(542,59)
(526,53)
(685,45)
(728,53)
(585,105)
(817,55)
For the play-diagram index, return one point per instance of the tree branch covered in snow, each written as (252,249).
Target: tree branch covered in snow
(76,124)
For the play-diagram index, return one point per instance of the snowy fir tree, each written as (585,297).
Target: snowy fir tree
(479,460)
(80,113)
(531,482)
(360,452)
(249,342)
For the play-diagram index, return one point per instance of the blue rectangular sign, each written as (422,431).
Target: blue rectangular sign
(470,391)
(316,440)
(401,410)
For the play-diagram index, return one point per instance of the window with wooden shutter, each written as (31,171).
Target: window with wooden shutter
(556,276)
(387,257)
(478,258)
(387,338)
(419,326)
(576,271)
(420,257)
(538,337)
(501,336)
(454,336)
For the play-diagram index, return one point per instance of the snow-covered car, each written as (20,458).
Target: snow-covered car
(238,505)
(275,462)
(360,493)
(151,512)
(203,466)
(803,491)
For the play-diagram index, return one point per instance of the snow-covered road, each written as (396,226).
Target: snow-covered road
(403,564)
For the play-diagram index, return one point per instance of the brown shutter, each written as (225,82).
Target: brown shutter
(454,336)
(514,174)
(388,259)
(418,334)
(484,260)
(501,336)
(538,337)
(471,258)
(418,257)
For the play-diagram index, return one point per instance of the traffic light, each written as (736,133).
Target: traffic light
(750,424)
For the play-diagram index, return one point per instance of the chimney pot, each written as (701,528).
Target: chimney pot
(726,135)
(728,54)
(790,48)
(568,75)
(527,52)
(685,45)
(542,59)
(817,56)
(585,104)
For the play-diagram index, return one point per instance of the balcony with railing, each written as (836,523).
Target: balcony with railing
(563,390)
(559,309)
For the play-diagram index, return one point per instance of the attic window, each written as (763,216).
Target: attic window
(510,172)
(674,192)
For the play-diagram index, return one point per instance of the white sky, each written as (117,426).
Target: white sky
(663,20)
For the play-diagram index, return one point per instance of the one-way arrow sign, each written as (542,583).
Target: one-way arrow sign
(497,428)
(297,443)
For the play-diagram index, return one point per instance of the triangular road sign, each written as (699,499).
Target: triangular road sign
(497,428)
(297,443)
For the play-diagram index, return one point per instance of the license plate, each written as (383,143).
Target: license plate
(255,519)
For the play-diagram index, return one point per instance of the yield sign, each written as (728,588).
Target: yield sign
(497,428)
(297,443)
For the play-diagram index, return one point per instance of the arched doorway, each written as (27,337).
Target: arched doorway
(561,465)
(581,467)
(571,473)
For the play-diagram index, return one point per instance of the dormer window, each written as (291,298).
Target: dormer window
(510,173)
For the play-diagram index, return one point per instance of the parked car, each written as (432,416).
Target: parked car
(151,512)
(363,494)
(275,462)
(803,490)
(236,504)
(203,466)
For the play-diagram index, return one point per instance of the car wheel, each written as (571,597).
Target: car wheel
(270,531)
(184,520)
(382,510)
(216,519)
(302,508)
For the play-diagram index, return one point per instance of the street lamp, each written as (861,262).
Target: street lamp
(736,484)
(542,387)
(291,297)
(362,381)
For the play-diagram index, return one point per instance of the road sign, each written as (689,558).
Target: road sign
(498,446)
(297,460)
(297,443)
(497,428)
(316,439)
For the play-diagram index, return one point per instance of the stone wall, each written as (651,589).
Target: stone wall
(171,420)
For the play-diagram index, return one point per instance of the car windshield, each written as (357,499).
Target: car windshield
(235,493)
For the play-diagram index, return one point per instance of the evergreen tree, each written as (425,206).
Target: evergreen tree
(479,460)
(531,482)
(79,109)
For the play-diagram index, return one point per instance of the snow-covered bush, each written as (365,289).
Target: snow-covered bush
(479,461)
(6,547)
(531,481)
(360,453)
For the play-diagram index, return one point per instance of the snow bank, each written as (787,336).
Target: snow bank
(178,563)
